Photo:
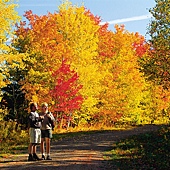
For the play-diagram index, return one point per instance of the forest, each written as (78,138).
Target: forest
(90,76)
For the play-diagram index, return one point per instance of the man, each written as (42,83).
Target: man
(34,132)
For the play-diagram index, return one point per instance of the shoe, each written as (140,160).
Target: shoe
(36,157)
(48,158)
(43,157)
(31,158)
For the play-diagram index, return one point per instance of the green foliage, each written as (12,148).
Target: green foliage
(145,151)
(156,66)
(13,96)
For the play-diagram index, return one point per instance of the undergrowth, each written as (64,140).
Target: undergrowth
(142,152)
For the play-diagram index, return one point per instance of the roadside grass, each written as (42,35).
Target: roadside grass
(149,151)
(7,148)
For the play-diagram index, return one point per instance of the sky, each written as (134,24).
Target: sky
(134,14)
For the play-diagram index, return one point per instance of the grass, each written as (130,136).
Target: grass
(13,149)
(148,151)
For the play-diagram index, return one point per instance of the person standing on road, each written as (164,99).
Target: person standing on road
(34,132)
(46,130)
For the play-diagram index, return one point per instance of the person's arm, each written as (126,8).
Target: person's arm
(50,116)
(51,119)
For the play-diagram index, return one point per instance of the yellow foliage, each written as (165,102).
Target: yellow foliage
(8,17)
(123,83)
(82,36)
(69,34)
(106,63)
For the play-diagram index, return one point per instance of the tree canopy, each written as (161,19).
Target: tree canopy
(156,65)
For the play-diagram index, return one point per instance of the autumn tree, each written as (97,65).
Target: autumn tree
(80,31)
(123,83)
(10,59)
(156,104)
(70,34)
(8,18)
(65,94)
(43,54)
(105,64)
(156,65)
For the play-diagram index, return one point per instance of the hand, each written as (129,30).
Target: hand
(41,117)
(48,115)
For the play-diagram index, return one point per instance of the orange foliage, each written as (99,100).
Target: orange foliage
(105,62)
(123,81)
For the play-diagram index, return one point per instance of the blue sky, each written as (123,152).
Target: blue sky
(134,14)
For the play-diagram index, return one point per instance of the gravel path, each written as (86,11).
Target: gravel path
(83,152)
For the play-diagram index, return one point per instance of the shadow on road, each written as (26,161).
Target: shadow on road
(78,151)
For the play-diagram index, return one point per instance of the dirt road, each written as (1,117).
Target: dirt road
(83,152)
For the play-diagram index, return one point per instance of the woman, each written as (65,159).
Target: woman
(46,130)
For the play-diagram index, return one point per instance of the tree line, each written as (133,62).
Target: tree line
(87,73)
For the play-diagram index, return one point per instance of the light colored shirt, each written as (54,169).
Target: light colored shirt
(34,121)
(46,121)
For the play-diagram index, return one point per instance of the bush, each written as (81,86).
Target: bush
(10,137)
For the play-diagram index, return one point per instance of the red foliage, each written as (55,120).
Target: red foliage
(66,91)
(140,47)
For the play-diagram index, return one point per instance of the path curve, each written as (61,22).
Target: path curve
(83,152)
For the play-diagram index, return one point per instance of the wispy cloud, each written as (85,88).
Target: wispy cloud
(123,20)
(36,5)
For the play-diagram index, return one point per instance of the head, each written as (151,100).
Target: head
(33,106)
(44,107)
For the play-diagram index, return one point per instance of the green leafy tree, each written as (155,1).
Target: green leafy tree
(157,65)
